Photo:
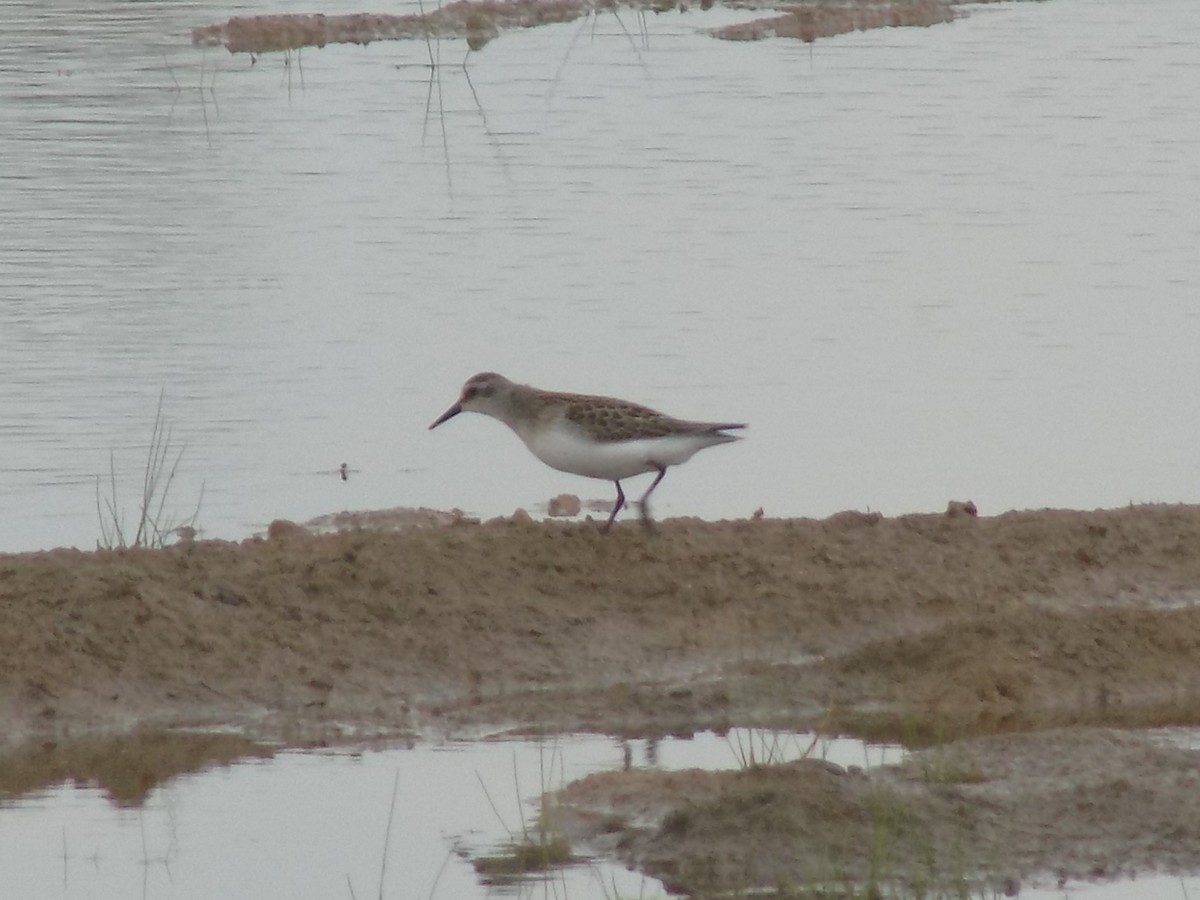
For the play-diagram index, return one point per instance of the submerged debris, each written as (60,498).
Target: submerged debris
(480,20)
(461,18)
(809,21)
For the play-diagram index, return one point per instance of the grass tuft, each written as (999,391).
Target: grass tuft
(155,527)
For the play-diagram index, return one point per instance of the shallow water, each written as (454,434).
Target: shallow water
(316,823)
(313,824)
(923,264)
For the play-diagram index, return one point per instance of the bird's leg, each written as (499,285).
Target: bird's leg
(616,507)
(644,504)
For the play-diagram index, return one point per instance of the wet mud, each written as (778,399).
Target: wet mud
(1039,662)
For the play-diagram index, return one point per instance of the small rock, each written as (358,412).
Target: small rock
(281,529)
(519,516)
(564,505)
(961,508)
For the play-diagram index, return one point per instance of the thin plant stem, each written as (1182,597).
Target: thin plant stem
(387,832)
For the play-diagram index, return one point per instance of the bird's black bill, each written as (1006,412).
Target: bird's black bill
(448,414)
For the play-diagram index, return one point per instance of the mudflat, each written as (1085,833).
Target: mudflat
(1041,663)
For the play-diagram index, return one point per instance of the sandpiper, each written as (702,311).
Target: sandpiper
(599,437)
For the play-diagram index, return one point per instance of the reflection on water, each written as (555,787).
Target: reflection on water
(315,824)
(124,769)
(407,822)
(928,264)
